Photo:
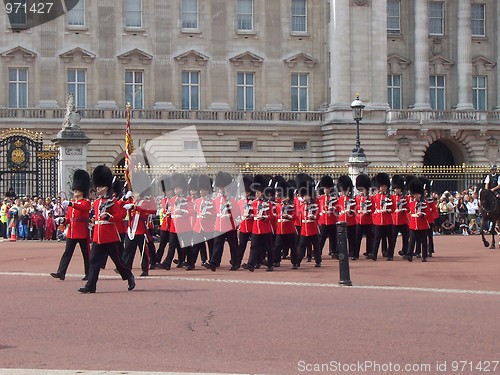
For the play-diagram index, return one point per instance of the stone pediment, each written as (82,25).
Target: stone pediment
(24,53)
(397,60)
(308,60)
(192,55)
(70,55)
(247,57)
(481,62)
(143,57)
(441,61)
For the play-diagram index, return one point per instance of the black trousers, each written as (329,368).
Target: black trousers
(403,229)
(418,238)
(183,247)
(131,248)
(97,255)
(232,239)
(351,241)
(430,239)
(200,242)
(306,241)
(261,243)
(243,239)
(164,235)
(150,243)
(68,254)
(367,230)
(382,233)
(283,244)
(330,232)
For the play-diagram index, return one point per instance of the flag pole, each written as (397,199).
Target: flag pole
(129,149)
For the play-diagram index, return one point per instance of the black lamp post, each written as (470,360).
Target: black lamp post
(357,113)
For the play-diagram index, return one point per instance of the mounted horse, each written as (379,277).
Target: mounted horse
(489,206)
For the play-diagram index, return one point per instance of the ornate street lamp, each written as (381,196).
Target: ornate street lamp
(357,113)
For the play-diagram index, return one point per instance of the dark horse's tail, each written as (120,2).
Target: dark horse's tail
(489,208)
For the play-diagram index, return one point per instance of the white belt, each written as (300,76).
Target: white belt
(176,216)
(284,220)
(308,221)
(100,222)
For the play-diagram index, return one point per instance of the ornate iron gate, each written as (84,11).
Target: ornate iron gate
(26,164)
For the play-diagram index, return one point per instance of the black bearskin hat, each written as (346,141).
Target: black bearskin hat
(166,184)
(416,187)
(193,182)
(223,179)
(326,182)
(426,183)
(364,181)
(344,183)
(118,187)
(382,179)
(398,182)
(141,183)
(204,182)
(289,191)
(260,182)
(179,180)
(81,182)
(102,176)
(248,181)
(307,187)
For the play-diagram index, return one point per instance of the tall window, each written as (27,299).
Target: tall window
(245,15)
(479,92)
(189,14)
(393,17)
(245,92)
(77,85)
(478,19)
(133,13)
(76,15)
(394,91)
(191,90)
(436,18)
(18,88)
(299,16)
(18,12)
(437,91)
(299,92)
(134,88)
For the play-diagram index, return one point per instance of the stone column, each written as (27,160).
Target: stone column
(497,107)
(421,55)
(464,56)
(379,55)
(340,56)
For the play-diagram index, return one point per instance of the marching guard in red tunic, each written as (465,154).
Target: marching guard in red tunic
(106,239)
(245,219)
(364,221)
(346,208)
(418,225)
(165,218)
(328,216)
(285,230)
(139,207)
(204,222)
(382,217)
(309,216)
(77,219)
(399,214)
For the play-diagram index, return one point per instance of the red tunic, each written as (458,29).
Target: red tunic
(226,209)
(382,212)
(140,213)
(205,219)
(327,210)
(309,219)
(104,228)
(246,210)
(285,220)
(399,209)
(263,217)
(433,213)
(165,206)
(297,202)
(77,218)
(182,210)
(363,210)
(345,208)
(417,222)
(120,217)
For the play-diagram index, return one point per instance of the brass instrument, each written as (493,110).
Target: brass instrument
(179,211)
(206,205)
(247,209)
(285,216)
(366,204)
(385,202)
(261,210)
(330,203)
(311,207)
(225,208)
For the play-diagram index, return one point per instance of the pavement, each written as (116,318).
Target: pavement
(398,317)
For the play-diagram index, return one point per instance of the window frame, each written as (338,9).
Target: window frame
(479,20)
(293,15)
(398,17)
(391,87)
(134,12)
(190,87)
(17,83)
(77,83)
(23,15)
(245,86)
(298,88)
(135,84)
(442,18)
(183,13)
(476,90)
(73,11)
(434,87)
(240,14)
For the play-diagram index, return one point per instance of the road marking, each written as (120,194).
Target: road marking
(280,283)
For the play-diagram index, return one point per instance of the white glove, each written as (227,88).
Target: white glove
(128,206)
(59,220)
(128,194)
(65,204)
